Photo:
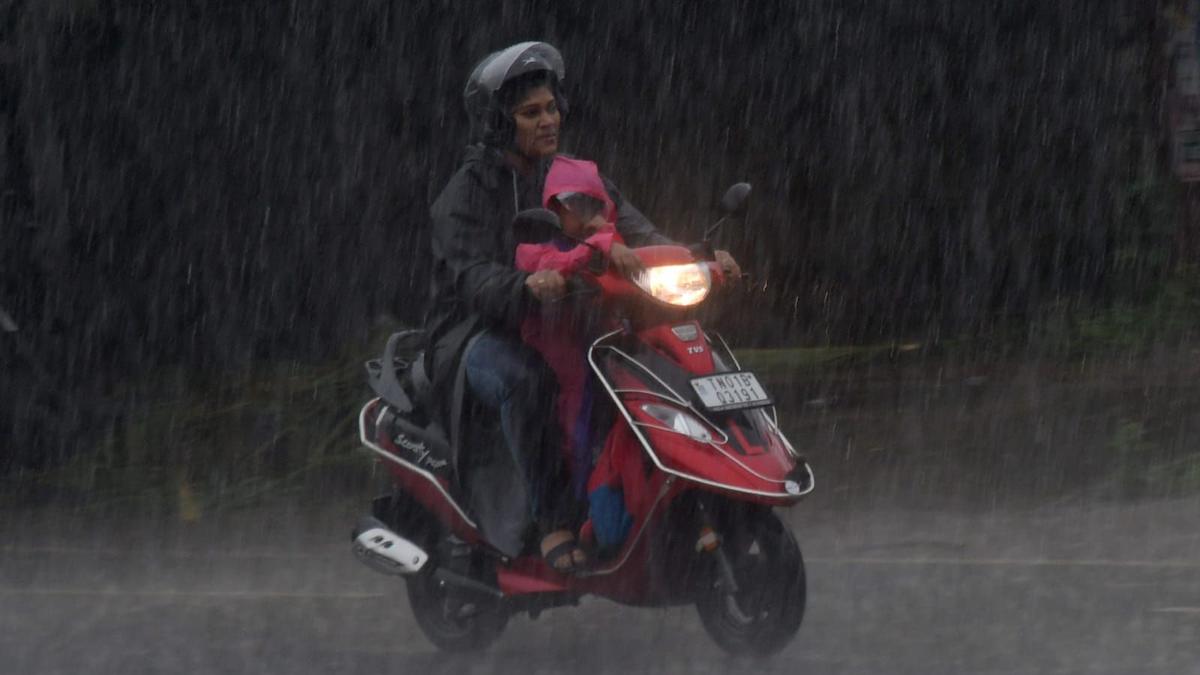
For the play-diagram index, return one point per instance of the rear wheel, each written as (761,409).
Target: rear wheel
(766,611)
(452,619)
(451,622)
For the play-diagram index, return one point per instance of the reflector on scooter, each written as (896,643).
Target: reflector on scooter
(385,551)
(678,421)
(686,332)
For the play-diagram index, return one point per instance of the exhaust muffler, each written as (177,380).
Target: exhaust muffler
(381,549)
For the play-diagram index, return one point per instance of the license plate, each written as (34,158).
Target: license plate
(730,391)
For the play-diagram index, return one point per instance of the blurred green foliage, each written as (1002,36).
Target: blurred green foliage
(1169,317)
(190,442)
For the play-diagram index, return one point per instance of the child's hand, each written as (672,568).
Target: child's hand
(546,285)
(594,225)
(624,259)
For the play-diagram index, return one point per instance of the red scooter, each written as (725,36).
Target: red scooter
(696,446)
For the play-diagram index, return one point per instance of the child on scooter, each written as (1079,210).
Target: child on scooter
(575,192)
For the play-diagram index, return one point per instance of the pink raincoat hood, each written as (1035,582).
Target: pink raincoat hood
(577,175)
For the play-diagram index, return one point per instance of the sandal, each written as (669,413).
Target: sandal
(579,558)
(561,552)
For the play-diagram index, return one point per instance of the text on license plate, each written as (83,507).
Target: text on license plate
(730,391)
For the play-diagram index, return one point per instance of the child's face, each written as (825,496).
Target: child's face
(580,217)
(574,226)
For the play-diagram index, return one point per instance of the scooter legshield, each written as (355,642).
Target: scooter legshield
(742,452)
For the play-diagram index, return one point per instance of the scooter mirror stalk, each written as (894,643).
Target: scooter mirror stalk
(703,251)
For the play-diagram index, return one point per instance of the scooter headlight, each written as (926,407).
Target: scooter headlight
(680,285)
(678,421)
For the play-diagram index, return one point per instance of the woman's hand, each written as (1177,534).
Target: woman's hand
(625,260)
(546,285)
(728,264)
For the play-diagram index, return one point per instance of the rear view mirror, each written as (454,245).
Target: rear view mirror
(733,204)
(536,225)
(734,201)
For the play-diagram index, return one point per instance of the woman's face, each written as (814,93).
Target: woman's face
(537,120)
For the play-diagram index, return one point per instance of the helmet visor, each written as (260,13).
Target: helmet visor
(515,61)
(584,206)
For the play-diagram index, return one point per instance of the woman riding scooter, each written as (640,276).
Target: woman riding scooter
(479,298)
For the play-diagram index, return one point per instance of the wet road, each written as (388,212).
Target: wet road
(1095,589)
(1012,520)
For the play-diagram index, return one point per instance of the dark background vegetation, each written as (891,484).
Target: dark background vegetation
(194,187)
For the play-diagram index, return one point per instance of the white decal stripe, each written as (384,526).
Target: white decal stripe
(362,434)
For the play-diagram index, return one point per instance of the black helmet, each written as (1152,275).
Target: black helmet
(490,121)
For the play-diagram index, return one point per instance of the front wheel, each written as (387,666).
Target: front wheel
(768,607)
(451,623)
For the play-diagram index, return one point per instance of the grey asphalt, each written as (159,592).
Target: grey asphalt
(1001,520)
(1071,588)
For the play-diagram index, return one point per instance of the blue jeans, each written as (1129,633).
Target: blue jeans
(510,379)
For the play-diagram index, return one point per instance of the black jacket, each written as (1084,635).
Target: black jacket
(476,285)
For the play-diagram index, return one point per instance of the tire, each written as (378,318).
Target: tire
(766,612)
(448,620)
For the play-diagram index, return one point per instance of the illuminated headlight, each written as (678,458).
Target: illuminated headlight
(678,421)
(682,285)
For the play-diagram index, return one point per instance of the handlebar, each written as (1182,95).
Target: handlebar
(577,287)
(591,282)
